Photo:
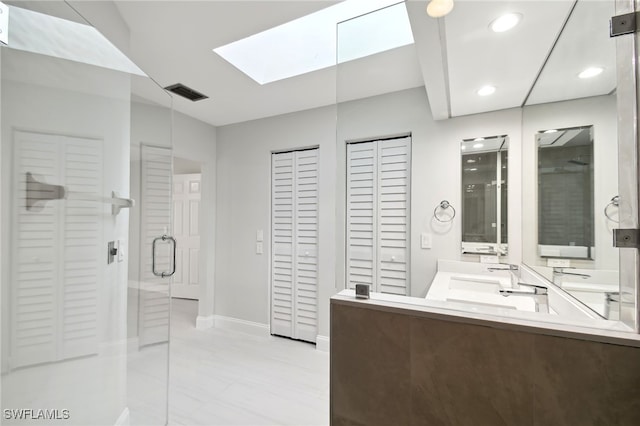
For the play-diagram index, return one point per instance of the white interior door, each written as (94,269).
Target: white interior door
(294,249)
(378,206)
(186,208)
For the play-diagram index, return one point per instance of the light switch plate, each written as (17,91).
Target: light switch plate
(558,263)
(425,240)
(259,248)
(489,259)
(259,235)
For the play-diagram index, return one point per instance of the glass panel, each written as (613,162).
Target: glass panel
(72,265)
(373,151)
(555,70)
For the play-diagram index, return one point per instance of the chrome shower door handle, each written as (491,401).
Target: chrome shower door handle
(172,241)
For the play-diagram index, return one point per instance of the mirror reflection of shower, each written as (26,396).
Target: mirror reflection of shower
(484,194)
(565,193)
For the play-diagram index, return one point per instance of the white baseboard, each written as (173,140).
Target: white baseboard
(249,327)
(204,322)
(124,419)
(322,343)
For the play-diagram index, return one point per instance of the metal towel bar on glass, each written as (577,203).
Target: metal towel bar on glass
(444,205)
(40,192)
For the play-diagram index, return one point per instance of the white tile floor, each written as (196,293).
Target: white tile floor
(219,377)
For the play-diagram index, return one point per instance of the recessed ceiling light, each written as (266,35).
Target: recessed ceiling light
(591,72)
(486,90)
(478,145)
(470,160)
(550,131)
(439,8)
(473,169)
(478,139)
(505,22)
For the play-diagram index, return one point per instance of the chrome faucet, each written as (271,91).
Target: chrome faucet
(513,269)
(540,295)
(506,267)
(559,272)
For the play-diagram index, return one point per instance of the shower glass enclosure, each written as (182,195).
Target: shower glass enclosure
(86,200)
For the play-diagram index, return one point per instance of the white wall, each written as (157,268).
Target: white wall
(242,278)
(435,172)
(243,207)
(196,141)
(244,161)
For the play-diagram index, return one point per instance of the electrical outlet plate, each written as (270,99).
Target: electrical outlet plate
(489,259)
(259,235)
(259,248)
(558,263)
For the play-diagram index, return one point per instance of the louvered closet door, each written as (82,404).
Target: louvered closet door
(393,215)
(306,248)
(362,218)
(58,273)
(282,263)
(294,230)
(378,206)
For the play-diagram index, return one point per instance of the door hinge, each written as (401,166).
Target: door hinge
(626,238)
(623,24)
(4,24)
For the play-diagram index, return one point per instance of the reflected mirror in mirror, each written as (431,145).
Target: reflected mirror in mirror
(484,194)
(567,232)
(565,193)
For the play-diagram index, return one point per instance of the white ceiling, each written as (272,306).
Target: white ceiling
(452,57)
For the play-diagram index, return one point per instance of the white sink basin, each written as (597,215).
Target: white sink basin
(478,284)
(478,290)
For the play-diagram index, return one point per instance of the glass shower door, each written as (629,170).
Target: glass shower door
(85,322)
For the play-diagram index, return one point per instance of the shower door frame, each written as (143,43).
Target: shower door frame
(627,94)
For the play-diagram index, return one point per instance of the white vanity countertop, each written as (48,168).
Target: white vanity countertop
(613,332)
(441,289)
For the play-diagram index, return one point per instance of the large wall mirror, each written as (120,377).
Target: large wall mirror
(570,162)
(557,72)
(484,194)
(565,193)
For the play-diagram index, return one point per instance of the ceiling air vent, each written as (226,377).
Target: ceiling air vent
(186,92)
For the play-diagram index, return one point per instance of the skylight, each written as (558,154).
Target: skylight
(48,35)
(309,43)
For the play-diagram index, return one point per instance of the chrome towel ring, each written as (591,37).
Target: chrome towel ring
(615,202)
(444,205)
